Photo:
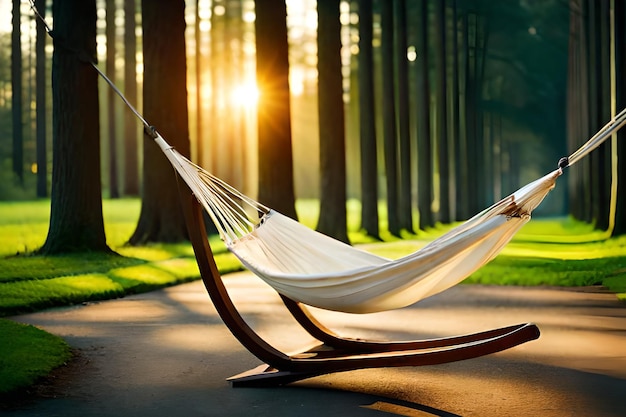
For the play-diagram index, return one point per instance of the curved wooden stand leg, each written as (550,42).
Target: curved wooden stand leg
(316,329)
(324,359)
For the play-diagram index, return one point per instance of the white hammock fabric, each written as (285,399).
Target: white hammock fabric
(317,270)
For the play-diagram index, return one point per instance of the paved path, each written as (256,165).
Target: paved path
(167,353)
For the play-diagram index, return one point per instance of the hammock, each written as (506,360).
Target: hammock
(319,271)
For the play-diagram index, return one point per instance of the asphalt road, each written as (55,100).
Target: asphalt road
(167,353)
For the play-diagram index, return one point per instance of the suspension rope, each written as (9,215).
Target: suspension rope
(596,140)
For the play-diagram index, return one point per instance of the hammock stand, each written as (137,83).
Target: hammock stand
(333,353)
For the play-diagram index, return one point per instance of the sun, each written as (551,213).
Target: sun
(245,95)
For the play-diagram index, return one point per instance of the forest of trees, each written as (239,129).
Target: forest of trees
(435,108)
(595,90)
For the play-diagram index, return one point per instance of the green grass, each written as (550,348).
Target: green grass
(508,270)
(27,354)
(25,268)
(558,252)
(31,282)
(549,252)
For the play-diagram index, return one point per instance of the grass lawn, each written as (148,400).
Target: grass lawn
(558,252)
(27,353)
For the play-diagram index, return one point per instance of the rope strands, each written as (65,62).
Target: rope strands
(599,138)
(235,215)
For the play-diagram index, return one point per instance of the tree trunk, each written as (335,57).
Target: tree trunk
(369,170)
(620,210)
(229,139)
(76,222)
(389,117)
(593,107)
(441,93)
(276,186)
(165,105)
(236,128)
(332,220)
(584,115)
(606,112)
(42,154)
(601,76)
(405,215)
(620,96)
(488,167)
(578,114)
(483,151)
(571,105)
(16,96)
(111,98)
(473,116)
(460,169)
(424,148)
(594,100)
(217,94)
(198,76)
(131,161)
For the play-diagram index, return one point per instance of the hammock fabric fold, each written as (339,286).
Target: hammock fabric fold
(319,271)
